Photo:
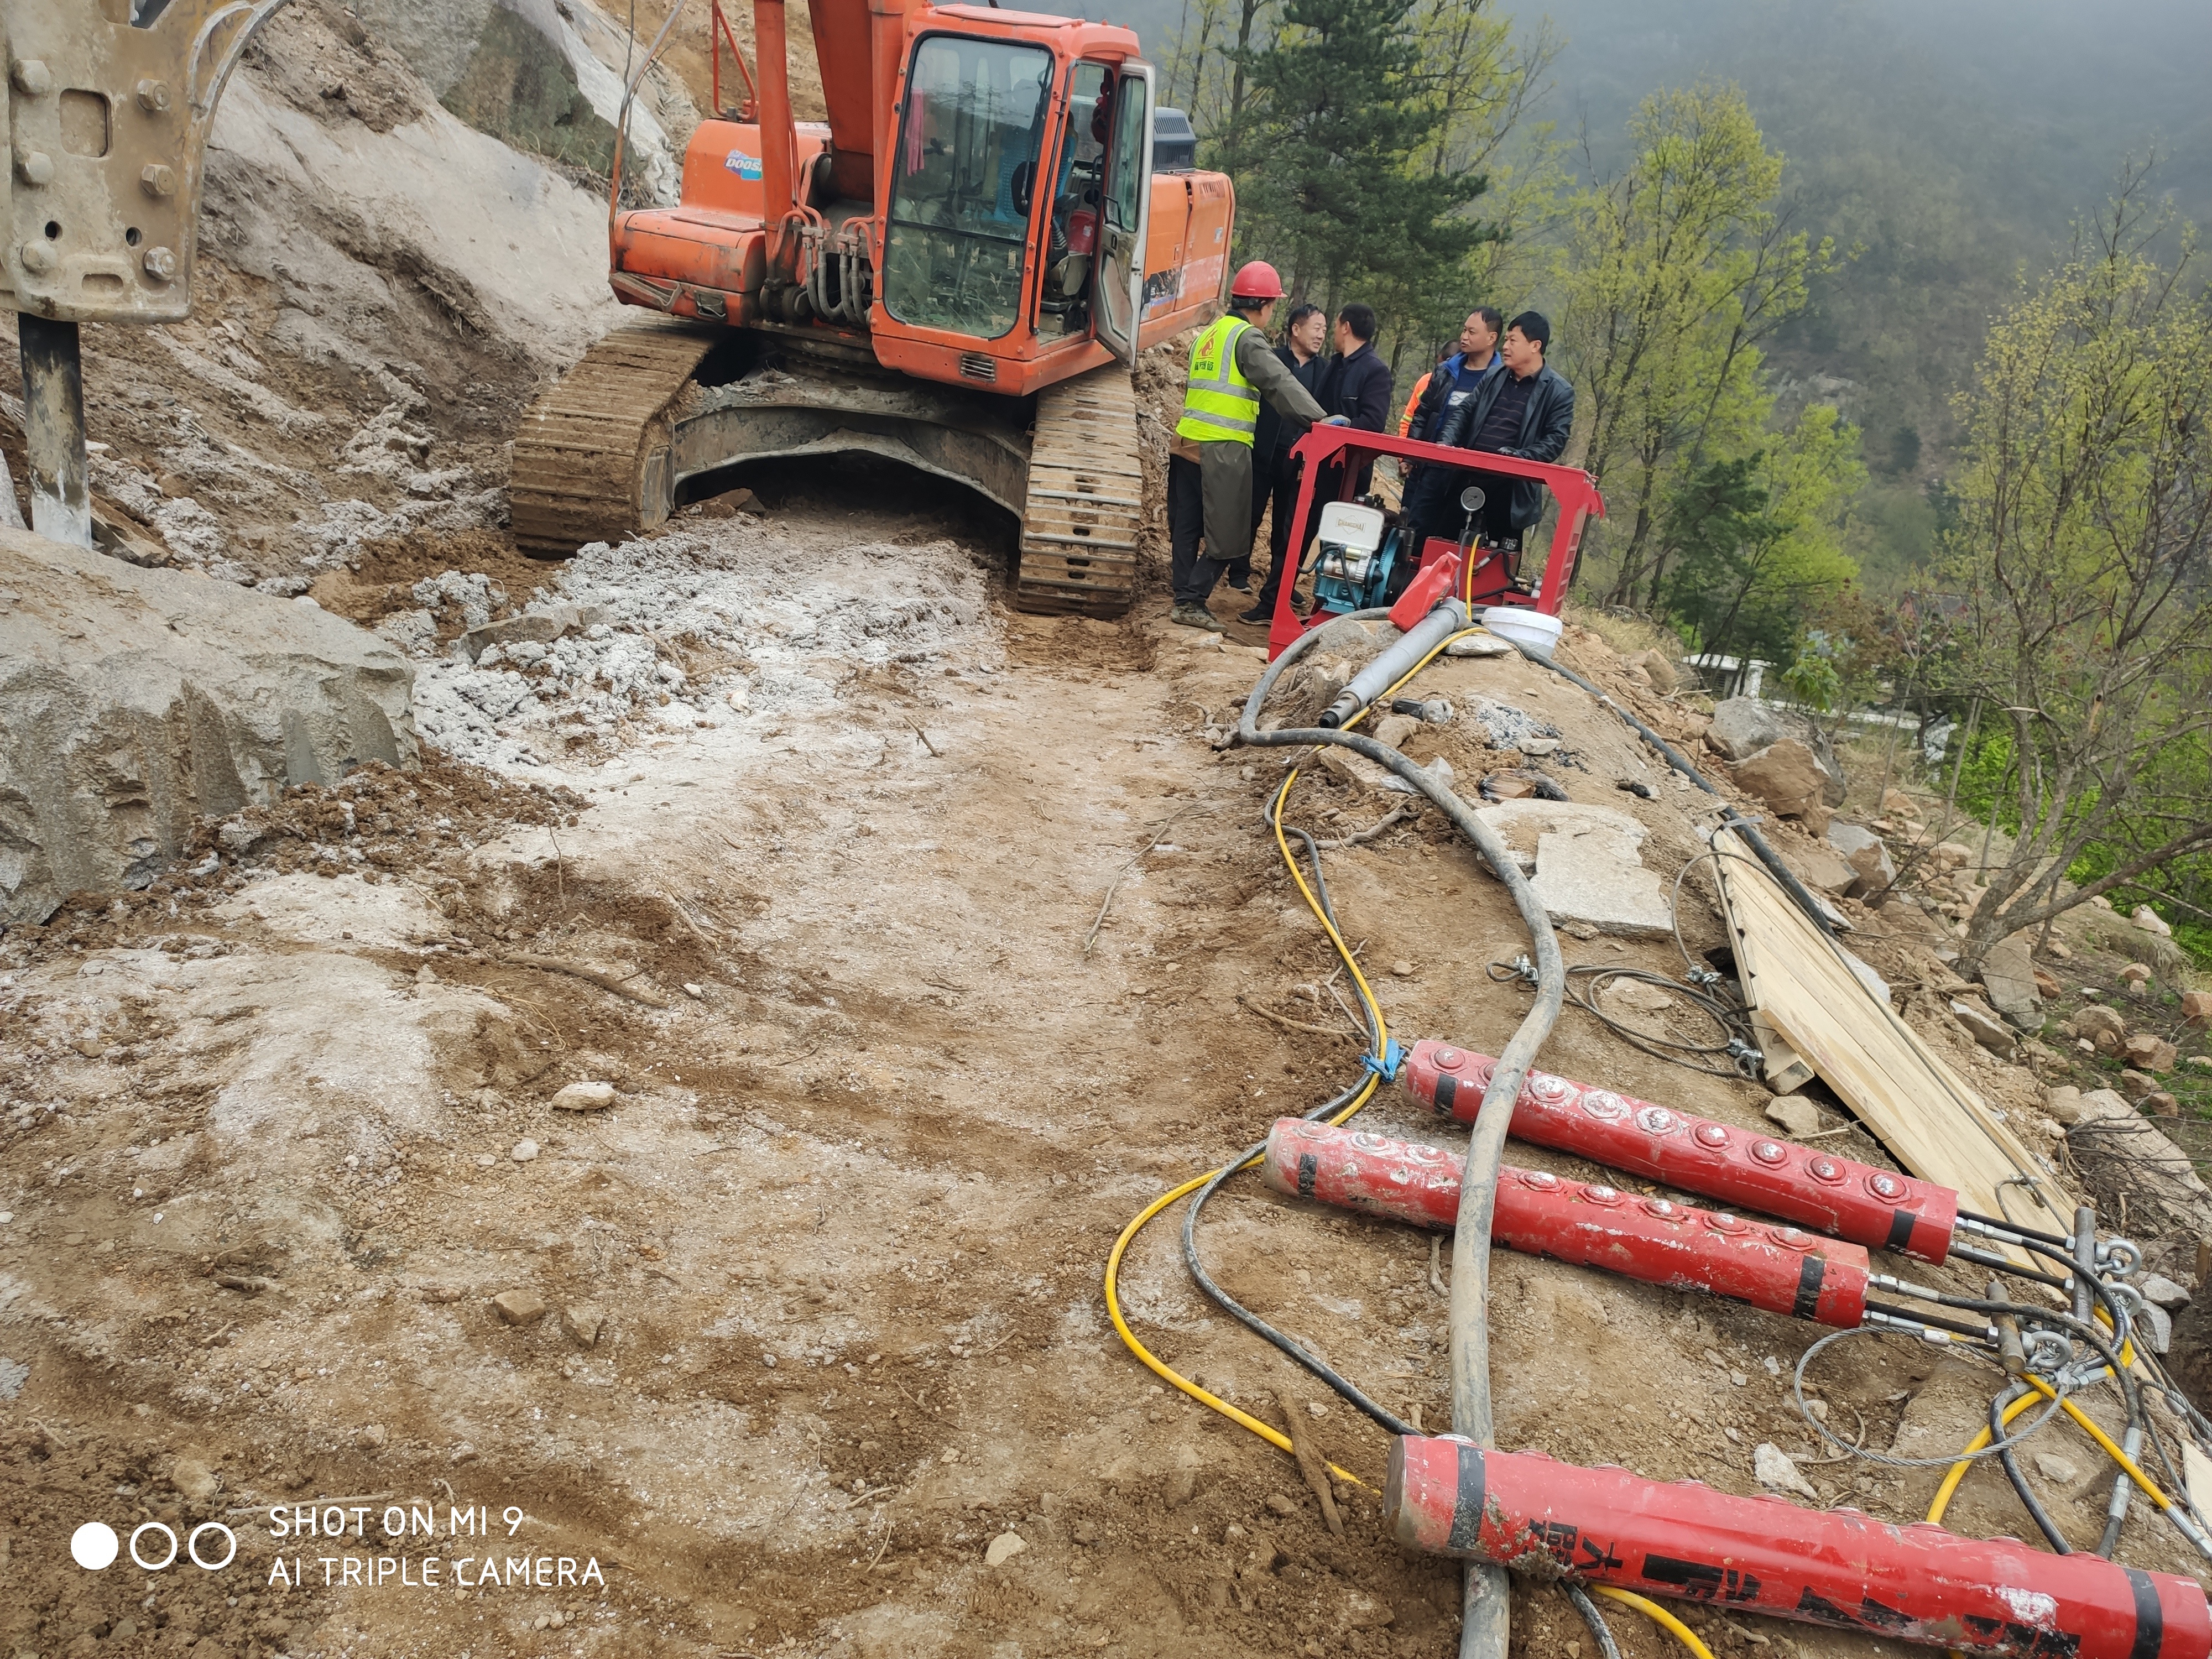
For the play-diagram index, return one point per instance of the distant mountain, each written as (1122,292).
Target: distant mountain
(1952,141)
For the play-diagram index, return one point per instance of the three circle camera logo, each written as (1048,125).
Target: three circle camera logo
(94,1546)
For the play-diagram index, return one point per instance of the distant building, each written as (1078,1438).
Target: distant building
(1731,676)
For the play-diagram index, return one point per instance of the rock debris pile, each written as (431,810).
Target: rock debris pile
(691,627)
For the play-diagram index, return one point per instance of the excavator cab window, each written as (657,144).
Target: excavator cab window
(963,183)
(1072,236)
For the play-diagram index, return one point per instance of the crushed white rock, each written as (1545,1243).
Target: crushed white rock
(688,628)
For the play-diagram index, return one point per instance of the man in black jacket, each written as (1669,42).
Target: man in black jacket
(1522,408)
(1355,388)
(1357,384)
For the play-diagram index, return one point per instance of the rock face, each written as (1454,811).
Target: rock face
(1743,726)
(133,701)
(526,72)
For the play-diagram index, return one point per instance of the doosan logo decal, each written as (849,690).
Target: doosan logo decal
(744,166)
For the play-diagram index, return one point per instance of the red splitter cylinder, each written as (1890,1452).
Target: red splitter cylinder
(1784,1270)
(1916,1584)
(1830,1195)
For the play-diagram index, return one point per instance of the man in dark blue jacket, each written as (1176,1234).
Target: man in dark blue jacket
(1355,389)
(1522,408)
(1453,380)
(1357,383)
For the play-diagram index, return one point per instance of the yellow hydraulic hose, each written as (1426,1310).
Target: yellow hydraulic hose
(1159,1367)
(1957,1471)
(2112,1448)
(1658,1615)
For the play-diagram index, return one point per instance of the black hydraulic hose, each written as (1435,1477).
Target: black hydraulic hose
(2121,1321)
(1734,820)
(1228,1303)
(2005,1265)
(1484,1627)
(2084,1331)
(2043,1523)
(1934,1321)
(1252,1321)
(2014,1227)
(1606,1647)
(1321,892)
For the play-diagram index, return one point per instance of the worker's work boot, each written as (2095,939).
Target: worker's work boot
(1195,616)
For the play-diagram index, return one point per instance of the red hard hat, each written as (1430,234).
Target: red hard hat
(1256,281)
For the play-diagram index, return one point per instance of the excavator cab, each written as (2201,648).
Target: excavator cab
(995,169)
(955,271)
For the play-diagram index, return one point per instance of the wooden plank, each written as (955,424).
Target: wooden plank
(1933,1122)
(1786,1070)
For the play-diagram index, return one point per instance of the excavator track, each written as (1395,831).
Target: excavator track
(1078,549)
(582,456)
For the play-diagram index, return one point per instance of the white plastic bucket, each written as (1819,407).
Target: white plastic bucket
(1524,626)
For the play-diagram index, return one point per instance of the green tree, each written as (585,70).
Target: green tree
(2083,561)
(1328,152)
(1757,539)
(1672,274)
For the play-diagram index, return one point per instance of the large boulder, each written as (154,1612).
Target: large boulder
(1743,726)
(133,701)
(2008,975)
(1786,775)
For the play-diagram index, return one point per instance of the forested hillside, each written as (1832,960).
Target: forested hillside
(1945,146)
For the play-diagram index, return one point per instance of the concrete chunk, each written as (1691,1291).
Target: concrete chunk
(1590,869)
(134,702)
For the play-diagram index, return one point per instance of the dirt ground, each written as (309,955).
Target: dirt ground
(823,1282)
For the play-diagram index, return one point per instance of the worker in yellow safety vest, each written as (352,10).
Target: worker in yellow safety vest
(1232,368)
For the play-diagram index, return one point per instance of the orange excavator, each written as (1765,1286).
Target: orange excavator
(955,271)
